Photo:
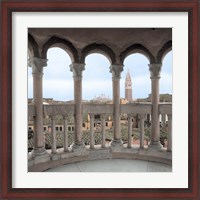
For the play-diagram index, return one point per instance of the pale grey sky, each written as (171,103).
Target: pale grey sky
(97,80)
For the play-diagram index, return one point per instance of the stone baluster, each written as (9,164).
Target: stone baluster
(169,138)
(91,131)
(129,130)
(116,72)
(53,134)
(65,145)
(148,120)
(37,65)
(77,69)
(155,125)
(163,116)
(103,123)
(142,118)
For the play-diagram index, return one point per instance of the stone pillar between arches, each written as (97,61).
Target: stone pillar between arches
(155,126)
(77,69)
(39,153)
(116,72)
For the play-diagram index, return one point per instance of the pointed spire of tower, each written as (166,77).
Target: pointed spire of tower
(128,76)
(128,87)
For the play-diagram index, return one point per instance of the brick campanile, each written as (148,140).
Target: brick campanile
(128,87)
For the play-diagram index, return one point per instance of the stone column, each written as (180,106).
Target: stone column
(65,145)
(37,65)
(91,131)
(103,123)
(169,138)
(116,72)
(155,124)
(142,118)
(163,116)
(129,130)
(77,69)
(53,134)
(148,119)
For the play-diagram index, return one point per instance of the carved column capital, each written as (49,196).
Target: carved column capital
(130,115)
(103,116)
(91,115)
(77,69)
(37,65)
(142,116)
(116,71)
(65,117)
(52,117)
(155,70)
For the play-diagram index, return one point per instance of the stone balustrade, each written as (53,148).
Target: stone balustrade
(103,110)
(104,150)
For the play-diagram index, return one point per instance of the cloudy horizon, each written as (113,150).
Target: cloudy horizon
(97,80)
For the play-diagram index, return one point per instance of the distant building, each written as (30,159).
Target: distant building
(128,87)
(162,98)
(101,100)
(123,101)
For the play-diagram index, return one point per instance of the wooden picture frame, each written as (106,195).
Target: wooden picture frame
(10,6)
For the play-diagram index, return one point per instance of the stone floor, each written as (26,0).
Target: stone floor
(113,165)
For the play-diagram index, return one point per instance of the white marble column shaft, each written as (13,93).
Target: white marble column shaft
(163,116)
(169,138)
(91,131)
(77,69)
(37,65)
(129,130)
(103,133)
(155,124)
(53,134)
(142,118)
(65,145)
(116,72)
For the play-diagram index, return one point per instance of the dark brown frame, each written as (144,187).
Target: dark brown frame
(9,6)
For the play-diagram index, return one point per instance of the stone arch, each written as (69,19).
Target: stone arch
(163,51)
(63,44)
(32,47)
(137,48)
(98,48)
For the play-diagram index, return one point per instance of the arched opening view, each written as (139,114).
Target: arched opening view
(136,88)
(57,89)
(97,90)
(165,96)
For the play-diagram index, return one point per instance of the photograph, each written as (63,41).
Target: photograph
(100,99)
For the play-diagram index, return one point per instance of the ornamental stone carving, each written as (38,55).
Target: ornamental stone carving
(142,116)
(77,69)
(37,65)
(65,117)
(155,70)
(91,115)
(116,71)
(103,116)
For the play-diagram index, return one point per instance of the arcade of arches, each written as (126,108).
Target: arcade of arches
(116,44)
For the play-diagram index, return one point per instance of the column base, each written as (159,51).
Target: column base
(78,146)
(39,155)
(116,144)
(38,152)
(155,145)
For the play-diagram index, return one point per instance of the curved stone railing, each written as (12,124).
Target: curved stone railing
(103,151)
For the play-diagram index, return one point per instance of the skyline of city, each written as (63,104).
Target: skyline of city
(57,77)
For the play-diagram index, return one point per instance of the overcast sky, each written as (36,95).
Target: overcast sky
(97,80)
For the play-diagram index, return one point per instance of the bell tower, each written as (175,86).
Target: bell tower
(128,87)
